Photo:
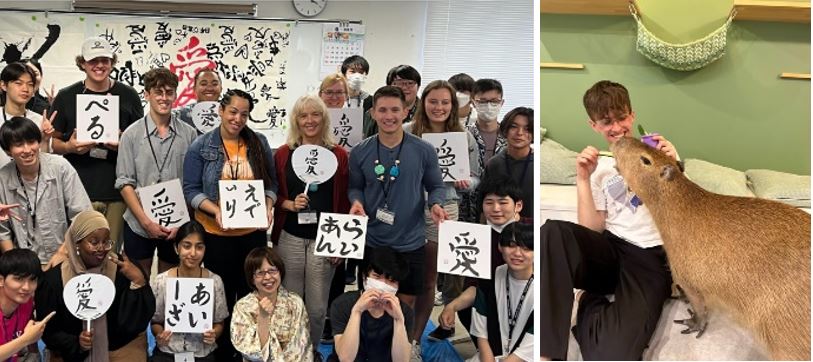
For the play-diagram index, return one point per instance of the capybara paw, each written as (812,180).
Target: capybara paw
(694,324)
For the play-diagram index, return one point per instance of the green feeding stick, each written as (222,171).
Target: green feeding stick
(641,130)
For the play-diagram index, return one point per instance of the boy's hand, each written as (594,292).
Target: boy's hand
(586,162)
(665,146)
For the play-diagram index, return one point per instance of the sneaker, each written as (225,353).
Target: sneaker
(440,334)
(438,299)
(416,353)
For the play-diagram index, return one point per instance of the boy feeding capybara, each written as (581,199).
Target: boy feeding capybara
(749,257)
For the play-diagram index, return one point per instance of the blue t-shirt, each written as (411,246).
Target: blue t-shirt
(419,172)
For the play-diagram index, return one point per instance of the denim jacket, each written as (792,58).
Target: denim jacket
(203,167)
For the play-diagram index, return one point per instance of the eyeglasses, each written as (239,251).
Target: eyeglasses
(261,274)
(101,245)
(334,94)
(402,83)
(162,92)
(493,102)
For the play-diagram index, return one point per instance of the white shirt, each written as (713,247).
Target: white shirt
(626,218)
(525,351)
(37,118)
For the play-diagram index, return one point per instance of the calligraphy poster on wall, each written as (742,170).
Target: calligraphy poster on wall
(453,154)
(242,204)
(338,43)
(164,203)
(189,305)
(341,235)
(464,249)
(348,126)
(248,55)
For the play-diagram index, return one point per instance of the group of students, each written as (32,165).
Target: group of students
(72,208)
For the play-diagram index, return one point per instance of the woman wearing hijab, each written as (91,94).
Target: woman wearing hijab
(118,335)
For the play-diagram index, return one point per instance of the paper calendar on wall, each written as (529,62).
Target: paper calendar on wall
(338,43)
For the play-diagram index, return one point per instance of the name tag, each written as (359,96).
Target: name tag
(385,216)
(98,152)
(185,357)
(308,217)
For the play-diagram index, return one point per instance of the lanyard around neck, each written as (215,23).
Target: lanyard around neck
(32,209)
(235,171)
(154,156)
(512,317)
(388,178)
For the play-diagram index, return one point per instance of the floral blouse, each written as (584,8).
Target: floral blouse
(289,339)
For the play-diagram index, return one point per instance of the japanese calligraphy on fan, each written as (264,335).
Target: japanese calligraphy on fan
(88,296)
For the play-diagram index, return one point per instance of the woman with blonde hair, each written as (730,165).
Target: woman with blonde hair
(308,275)
(334,91)
(437,113)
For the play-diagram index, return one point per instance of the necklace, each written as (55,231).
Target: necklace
(234,170)
(394,170)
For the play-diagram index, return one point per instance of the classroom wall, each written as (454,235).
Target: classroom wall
(385,21)
(736,112)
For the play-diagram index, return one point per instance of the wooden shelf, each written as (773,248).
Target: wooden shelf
(758,10)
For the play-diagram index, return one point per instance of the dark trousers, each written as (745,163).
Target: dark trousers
(573,256)
(225,256)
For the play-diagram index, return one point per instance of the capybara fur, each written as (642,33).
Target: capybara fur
(748,257)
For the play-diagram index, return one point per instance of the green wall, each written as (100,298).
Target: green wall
(735,112)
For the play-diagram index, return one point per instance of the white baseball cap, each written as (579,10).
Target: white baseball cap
(95,47)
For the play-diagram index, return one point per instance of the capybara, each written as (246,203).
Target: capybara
(749,257)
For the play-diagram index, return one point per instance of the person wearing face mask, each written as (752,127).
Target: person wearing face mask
(270,324)
(408,80)
(503,305)
(96,163)
(487,100)
(46,186)
(17,87)
(355,69)
(371,324)
(464,84)
(208,87)
(502,204)
(516,160)
(151,151)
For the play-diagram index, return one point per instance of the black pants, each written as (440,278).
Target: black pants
(225,256)
(573,256)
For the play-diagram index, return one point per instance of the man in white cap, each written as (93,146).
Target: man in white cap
(95,162)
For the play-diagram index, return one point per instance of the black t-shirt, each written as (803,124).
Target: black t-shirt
(320,200)
(375,341)
(97,175)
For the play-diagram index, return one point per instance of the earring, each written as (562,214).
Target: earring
(77,251)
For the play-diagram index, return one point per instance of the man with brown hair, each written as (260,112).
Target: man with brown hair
(614,249)
(95,162)
(152,151)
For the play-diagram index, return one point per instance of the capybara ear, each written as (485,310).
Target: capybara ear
(681,166)
(668,172)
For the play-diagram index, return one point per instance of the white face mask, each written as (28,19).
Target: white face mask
(488,112)
(500,228)
(376,284)
(355,81)
(463,99)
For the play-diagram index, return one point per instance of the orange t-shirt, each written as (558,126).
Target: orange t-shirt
(235,167)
